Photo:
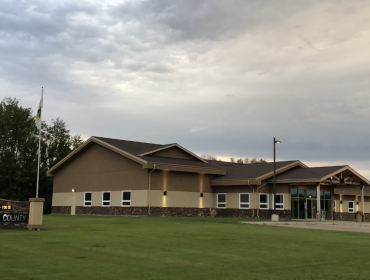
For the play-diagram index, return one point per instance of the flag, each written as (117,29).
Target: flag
(38,114)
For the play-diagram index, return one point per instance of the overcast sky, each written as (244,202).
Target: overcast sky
(217,77)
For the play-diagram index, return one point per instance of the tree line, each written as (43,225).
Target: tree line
(240,160)
(19,138)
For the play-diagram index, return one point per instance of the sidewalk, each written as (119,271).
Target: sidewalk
(327,225)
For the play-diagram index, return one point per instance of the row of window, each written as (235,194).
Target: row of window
(125,198)
(244,201)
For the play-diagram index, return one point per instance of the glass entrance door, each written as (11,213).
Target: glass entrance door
(311,208)
(309,197)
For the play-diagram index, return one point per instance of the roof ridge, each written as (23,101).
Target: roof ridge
(99,137)
(328,166)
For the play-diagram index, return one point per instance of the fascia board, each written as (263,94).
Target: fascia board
(312,180)
(282,169)
(99,142)
(235,182)
(170,146)
(184,168)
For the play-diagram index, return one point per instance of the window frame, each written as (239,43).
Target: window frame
(280,204)
(353,207)
(221,202)
(122,200)
(102,199)
(249,201)
(259,201)
(87,200)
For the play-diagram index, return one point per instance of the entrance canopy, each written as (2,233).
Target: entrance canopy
(336,176)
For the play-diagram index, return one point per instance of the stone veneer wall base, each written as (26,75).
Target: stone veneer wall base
(348,216)
(171,212)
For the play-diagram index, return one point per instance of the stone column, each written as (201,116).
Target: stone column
(73,205)
(362,203)
(36,213)
(318,214)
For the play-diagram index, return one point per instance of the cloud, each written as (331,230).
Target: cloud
(149,70)
(196,129)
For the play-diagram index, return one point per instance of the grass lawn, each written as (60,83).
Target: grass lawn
(97,247)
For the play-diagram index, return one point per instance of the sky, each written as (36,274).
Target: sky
(218,77)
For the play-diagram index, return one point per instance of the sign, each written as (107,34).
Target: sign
(13,218)
(305,205)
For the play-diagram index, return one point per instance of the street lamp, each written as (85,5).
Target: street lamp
(275,141)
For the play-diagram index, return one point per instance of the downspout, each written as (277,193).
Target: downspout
(340,210)
(149,190)
(253,196)
(258,209)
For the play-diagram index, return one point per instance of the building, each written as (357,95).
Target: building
(117,177)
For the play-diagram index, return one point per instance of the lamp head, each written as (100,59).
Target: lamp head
(277,141)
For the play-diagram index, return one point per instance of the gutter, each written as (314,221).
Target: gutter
(149,189)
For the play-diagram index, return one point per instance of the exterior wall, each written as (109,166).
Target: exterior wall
(180,181)
(98,168)
(173,152)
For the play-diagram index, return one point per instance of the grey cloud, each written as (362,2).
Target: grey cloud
(245,71)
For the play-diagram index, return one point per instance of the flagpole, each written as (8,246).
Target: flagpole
(39,152)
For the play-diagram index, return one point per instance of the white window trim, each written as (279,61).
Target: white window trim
(259,201)
(122,201)
(273,200)
(221,202)
(249,198)
(87,200)
(102,201)
(353,209)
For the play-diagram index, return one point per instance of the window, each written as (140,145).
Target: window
(106,199)
(351,206)
(221,200)
(279,200)
(126,198)
(87,199)
(264,201)
(244,200)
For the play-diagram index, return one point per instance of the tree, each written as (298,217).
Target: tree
(208,157)
(56,143)
(18,152)
(247,160)
(18,149)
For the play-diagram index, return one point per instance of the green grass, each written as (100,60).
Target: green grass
(97,247)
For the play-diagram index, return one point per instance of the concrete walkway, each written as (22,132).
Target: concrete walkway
(327,225)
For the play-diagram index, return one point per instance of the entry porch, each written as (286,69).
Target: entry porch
(314,191)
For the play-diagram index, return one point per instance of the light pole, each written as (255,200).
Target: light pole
(275,141)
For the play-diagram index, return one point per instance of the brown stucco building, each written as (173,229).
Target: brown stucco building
(117,177)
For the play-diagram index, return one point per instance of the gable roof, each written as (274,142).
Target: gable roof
(171,146)
(252,173)
(313,173)
(318,174)
(132,150)
(132,147)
